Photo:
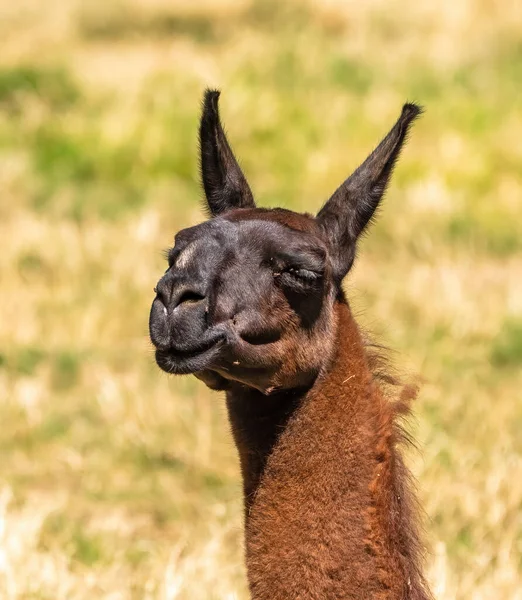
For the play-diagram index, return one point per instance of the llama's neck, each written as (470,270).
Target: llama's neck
(328,508)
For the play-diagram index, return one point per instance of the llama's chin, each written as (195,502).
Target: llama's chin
(185,363)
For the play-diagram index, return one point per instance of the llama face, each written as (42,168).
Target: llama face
(247,297)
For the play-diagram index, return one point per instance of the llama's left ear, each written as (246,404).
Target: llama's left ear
(223,181)
(347,213)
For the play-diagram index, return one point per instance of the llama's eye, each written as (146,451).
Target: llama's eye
(296,275)
(304,275)
(170,255)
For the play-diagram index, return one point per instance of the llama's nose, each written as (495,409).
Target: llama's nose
(172,295)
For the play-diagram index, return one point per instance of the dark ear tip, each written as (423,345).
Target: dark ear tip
(411,111)
(210,100)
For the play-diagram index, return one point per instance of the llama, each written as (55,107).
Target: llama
(252,304)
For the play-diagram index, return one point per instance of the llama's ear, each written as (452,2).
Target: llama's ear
(347,213)
(223,181)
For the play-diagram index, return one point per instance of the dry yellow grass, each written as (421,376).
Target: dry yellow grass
(117,482)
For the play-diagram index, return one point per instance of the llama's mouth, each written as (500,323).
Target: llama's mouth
(223,350)
(178,362)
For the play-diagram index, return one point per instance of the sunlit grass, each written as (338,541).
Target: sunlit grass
(118,482)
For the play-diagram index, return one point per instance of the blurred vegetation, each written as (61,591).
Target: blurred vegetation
(118,482)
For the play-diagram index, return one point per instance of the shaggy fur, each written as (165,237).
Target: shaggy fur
(329,509)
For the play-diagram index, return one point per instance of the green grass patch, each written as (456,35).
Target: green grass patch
(506,350)
(30,263)
(349,74)
(53,86)
(66,370)
(65,364)
(81,173)
(56,425)
(27,360)
(85,547)
(490,231)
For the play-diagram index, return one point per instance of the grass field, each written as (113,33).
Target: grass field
(117,482)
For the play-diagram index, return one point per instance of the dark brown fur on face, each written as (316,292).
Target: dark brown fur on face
(252,304)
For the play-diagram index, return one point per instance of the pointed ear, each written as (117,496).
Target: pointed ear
(223,181)
(347,213)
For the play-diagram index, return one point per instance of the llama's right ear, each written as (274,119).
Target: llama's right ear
(223,181)
(347,213)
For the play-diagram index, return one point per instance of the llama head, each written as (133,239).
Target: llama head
(248,295)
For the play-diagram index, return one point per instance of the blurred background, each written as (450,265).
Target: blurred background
(118,482)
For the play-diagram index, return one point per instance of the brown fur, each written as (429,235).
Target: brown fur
(329,508)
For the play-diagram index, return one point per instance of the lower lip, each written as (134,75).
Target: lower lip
(182,363)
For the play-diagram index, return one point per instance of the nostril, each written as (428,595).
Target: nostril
(190,297)
(162,295)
